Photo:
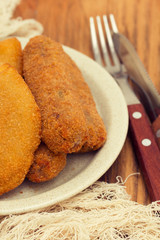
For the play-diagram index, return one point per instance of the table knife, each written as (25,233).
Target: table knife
(127,54)
(139,75)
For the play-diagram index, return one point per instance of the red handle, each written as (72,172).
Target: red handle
(147,150)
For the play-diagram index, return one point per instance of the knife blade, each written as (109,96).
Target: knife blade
(139,75)
(135,67)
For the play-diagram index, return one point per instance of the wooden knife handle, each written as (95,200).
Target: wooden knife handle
(147,150)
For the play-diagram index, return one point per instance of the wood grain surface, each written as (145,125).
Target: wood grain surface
(67,21)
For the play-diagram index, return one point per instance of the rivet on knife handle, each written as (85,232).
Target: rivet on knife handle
(147,150)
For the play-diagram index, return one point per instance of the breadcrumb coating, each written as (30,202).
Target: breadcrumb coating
(63,122)
(96,134)
(11,52)
(20,128)
(64,98)
(46,165)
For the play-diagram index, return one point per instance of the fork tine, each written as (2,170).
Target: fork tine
(94,40)
(102,41)
(109,38)
(113,23)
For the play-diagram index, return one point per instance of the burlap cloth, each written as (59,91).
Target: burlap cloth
(103,211)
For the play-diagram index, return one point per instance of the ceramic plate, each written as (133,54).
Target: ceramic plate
(81,170)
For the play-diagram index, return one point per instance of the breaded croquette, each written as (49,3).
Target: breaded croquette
(11,52)
(46,164)
(96,136)
(20,127)
(64,127)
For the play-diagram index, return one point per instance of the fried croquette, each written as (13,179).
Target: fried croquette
(96,135)
(20,128)
(96,129)
(11,52)
(46,164)
(64,127)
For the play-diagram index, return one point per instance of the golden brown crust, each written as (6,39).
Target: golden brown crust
(46,165)
(96,135)
(70,95)
(20,128)
(63,122)
(11,52)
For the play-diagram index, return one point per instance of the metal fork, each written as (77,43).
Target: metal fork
(116,69)
(144,141)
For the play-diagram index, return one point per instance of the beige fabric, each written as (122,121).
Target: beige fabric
(103,211)
(22,29)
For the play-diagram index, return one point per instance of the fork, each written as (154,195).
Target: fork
(143,138)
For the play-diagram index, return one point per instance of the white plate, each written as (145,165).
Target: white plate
(82,170)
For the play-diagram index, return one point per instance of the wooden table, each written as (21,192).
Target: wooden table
(67,21)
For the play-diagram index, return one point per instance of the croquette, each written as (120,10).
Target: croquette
(11,52)
(64,127)
(46,164)
(57,84)
(96,134)
(20,128)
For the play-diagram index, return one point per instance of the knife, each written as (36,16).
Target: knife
(139,75)
(127,54)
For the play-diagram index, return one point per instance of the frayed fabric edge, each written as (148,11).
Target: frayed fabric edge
(102,211)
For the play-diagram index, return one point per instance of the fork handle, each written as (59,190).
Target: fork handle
(147,150)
